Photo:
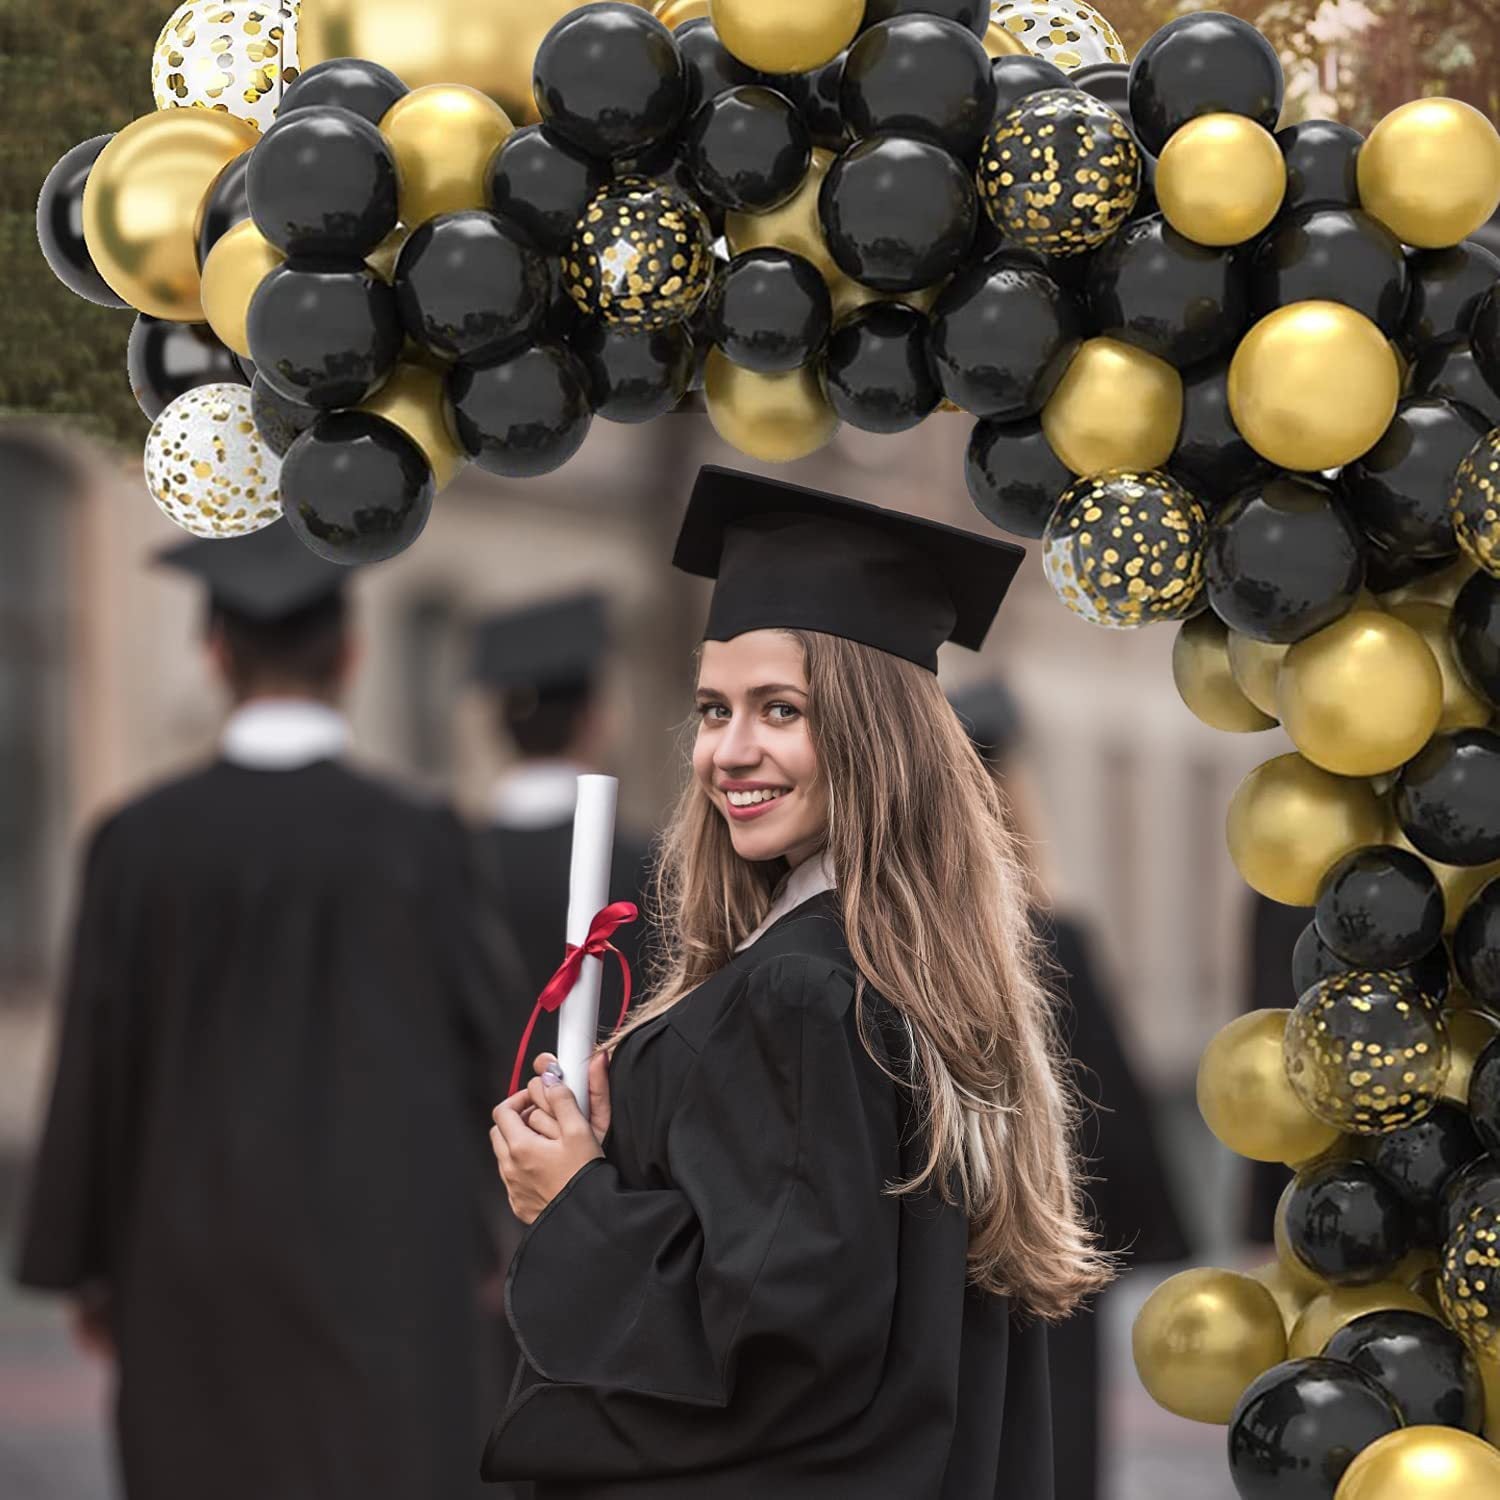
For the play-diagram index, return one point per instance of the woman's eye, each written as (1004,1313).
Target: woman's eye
(775,710)
(710,710)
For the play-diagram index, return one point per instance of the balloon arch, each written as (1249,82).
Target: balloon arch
(1239,377)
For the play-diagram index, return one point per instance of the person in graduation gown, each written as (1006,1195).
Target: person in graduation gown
(1128,1181)
(259,1170)
(809,1237)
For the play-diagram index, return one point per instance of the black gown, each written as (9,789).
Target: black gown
(727,1305)
(268,1139)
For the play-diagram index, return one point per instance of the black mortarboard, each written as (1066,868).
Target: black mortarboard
(553,645)
(265,577)
(791,558)
(991,717)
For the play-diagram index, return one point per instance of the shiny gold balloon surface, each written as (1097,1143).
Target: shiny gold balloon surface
(1202,1337)
(1313,386)
(1116,407)
(1469,1033)
(1463,708)
(1290,821)
(1430,172)
(239,260)
(1001,41)
(794,226)
(1339,1306)
(772,417)
(443,137)
(1475,503)
(1489,1373)
(1205,681)
(1434,588)
(1220,179)
(1291,1296)
(1360,696)
(1256,666)
(382,259)
(414,399)
(1457,882)
(675,13)
(141,203)
(1470,1283)
(1246,1098)
(786,36)
(1423,1463)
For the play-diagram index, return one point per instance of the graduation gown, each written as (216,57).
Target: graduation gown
(268,1139)
(726,1304)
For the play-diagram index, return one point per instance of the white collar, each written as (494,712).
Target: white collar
(283,734)
(536,794)
(811,878)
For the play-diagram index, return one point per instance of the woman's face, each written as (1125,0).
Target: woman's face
(754,753)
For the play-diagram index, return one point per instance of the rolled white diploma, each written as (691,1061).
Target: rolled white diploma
(588,894)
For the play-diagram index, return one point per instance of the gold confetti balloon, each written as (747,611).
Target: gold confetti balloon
(1367,1052)
(237,58)
(208,468)
(1059,172)
(1475,503)
(1068,36)
(642,255)
(1469,1283)
(1124,548)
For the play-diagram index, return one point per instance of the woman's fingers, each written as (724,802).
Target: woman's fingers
(542,1123)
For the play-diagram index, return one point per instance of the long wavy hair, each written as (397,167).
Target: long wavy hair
(934,899)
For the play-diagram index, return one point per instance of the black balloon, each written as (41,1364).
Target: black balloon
(1320,165)
(1484,1097)
(1447,287)
(610,79)
(278,421)
(1474,627)
(1015,479)
(1108,82)
(1151,287)
(1421,1160)
(1300,1425)
(1476,946)
(1477,1186)
(164,359)
(1283,560)
(321,336)
(748,149)
(1420,1364)
(1345,1222)
(923,76)
(356,489)
(1448,797)
(1450,370)
(972,14)
(1018,76)
(816,95)
(1211,458)
(877,372)
(1380,907)
(635,374)
(1484,337)
(322,183)
(1003,333)
(898,213)
(59,224)
(351,83)
(224,205)
(1201,64)
(771,310)
(1313,960)
(1331,255)
(469,286)
(1386,570)
(541,182)
(710,66)
(667,166)
(525,415)
(1398,491)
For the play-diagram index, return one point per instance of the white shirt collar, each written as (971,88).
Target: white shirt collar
(537,794)
(811,878)
(283,734)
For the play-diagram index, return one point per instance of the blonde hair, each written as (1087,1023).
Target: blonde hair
(933,892)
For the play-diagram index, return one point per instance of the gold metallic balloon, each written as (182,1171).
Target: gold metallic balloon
(1116,407)
(1202,1337)
(1360,696)
(1423,1463)
(1469,1033)
(382,259)
(141,203)
(786,36)
(794,226)
(1430,172)
(775,418)
(1205,681)
(443,137)
(1290,821)
(1463,708)
(241,257)
(414,399)
(1291,1296)
(1475,503)
(675,13)
(1247,1100)
(1470,1282)
(1313,386)
(849,294)
(1339,1306)
(1256,665)
(1000,41)
(1489,1373)
(1434,588)
(1220,179)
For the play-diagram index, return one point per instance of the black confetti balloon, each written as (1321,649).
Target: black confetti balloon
(747,149)
(352,83)
(1420,1160)
(525,415)
(1346,1223)
(1331,255)
(1421,1365)
(544,184)
(164,359)
(1468,1277)
(1450,371)
(771,310)
(1320,158)
(1380,908)
(1474,627)
(1313,960)
(1475,501)
(279,422)
(1476,1186)
(974,15)
(1447,287)
(1110,83)
(709,67)
(635,374)
(1015,479)
(1211,458)
(355,489)
(59,224)
(1447,795)
(1476,949)
(816,95)
(225,204)
(666,166)
(1017,76)
(877,371)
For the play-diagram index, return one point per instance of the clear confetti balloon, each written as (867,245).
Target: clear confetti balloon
(1469,1281)
(235,57)
(1475,503)
(1070,36)
(207,466)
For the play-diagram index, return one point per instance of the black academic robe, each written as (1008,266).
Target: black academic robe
(726,1304)
(268,1139)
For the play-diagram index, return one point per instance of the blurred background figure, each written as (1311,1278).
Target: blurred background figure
(1128,1176)
(260,1179)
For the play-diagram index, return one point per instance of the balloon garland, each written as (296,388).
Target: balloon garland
(1238,376)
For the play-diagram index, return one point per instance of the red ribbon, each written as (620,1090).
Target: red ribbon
(604,926)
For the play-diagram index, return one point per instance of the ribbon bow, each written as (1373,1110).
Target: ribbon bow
(604,926)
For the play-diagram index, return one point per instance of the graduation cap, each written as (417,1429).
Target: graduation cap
(991,717)
(791,558)
(551,647)
(266,577)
